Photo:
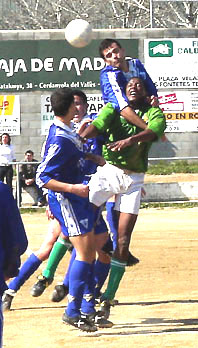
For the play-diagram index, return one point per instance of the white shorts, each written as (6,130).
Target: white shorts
(129,202)
(110,180)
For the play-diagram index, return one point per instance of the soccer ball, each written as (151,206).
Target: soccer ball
(78,33)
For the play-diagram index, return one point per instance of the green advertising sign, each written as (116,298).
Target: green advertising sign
(162,48)
(49,64)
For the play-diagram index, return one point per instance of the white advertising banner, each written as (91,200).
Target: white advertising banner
(47,114)
(10,114)
(181,110)
(172,63)
(95,103)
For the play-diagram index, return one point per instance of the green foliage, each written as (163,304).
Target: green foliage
(162,205)
(32,210)
(165,168)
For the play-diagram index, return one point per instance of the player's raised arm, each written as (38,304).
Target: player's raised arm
(129,114)
(90,132)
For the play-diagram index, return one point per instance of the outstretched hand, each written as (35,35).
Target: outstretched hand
(119,145)
(80,190)
(153,101)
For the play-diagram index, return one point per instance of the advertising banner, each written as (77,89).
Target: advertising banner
(10,114)
(172,63)
(30,65)
(95,103)
(180,109)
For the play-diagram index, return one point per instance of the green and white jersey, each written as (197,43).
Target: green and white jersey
(115,127)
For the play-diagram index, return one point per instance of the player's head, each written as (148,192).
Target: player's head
(61,101)
(80,100)
(136,91)
(112,52)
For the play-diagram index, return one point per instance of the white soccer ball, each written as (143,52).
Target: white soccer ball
(78,33)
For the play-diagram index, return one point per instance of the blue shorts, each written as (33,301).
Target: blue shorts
(100,224)
(76,217)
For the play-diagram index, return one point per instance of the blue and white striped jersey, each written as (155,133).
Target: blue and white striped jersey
(113,83)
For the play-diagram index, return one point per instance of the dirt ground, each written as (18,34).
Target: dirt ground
(158,298)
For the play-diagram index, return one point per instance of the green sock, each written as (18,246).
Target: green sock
(116,273)
(58,251)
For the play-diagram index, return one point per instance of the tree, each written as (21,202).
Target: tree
(47,14)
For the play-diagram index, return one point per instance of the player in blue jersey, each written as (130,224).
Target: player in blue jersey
(116,74)
(102,263)
(13,241)
(93,146)
(61,172)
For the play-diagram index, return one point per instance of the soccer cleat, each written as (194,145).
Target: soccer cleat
(132,260)
(105,308)
(98,319)
(39,287)
(101,321)
(59,293)
(80,323)
(7,299)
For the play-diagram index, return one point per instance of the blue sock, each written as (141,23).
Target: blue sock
(101,271)
(112,220)
(88,301)
(66,279)
(26,270)
(77,280)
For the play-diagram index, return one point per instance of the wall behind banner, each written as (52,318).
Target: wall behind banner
(34,63)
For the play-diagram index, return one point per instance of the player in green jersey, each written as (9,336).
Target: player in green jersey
(126,154)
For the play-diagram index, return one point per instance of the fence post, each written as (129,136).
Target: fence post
(17,185)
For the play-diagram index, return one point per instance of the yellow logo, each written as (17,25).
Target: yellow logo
(7,105)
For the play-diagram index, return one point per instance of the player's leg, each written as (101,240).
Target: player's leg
(102,263)
(76,221)
(26,270)
(59,249)
(119,260)
(101,268)
(29,267)
(112,219)
(128,204)
(99,272)
(61,290)
(80,277)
